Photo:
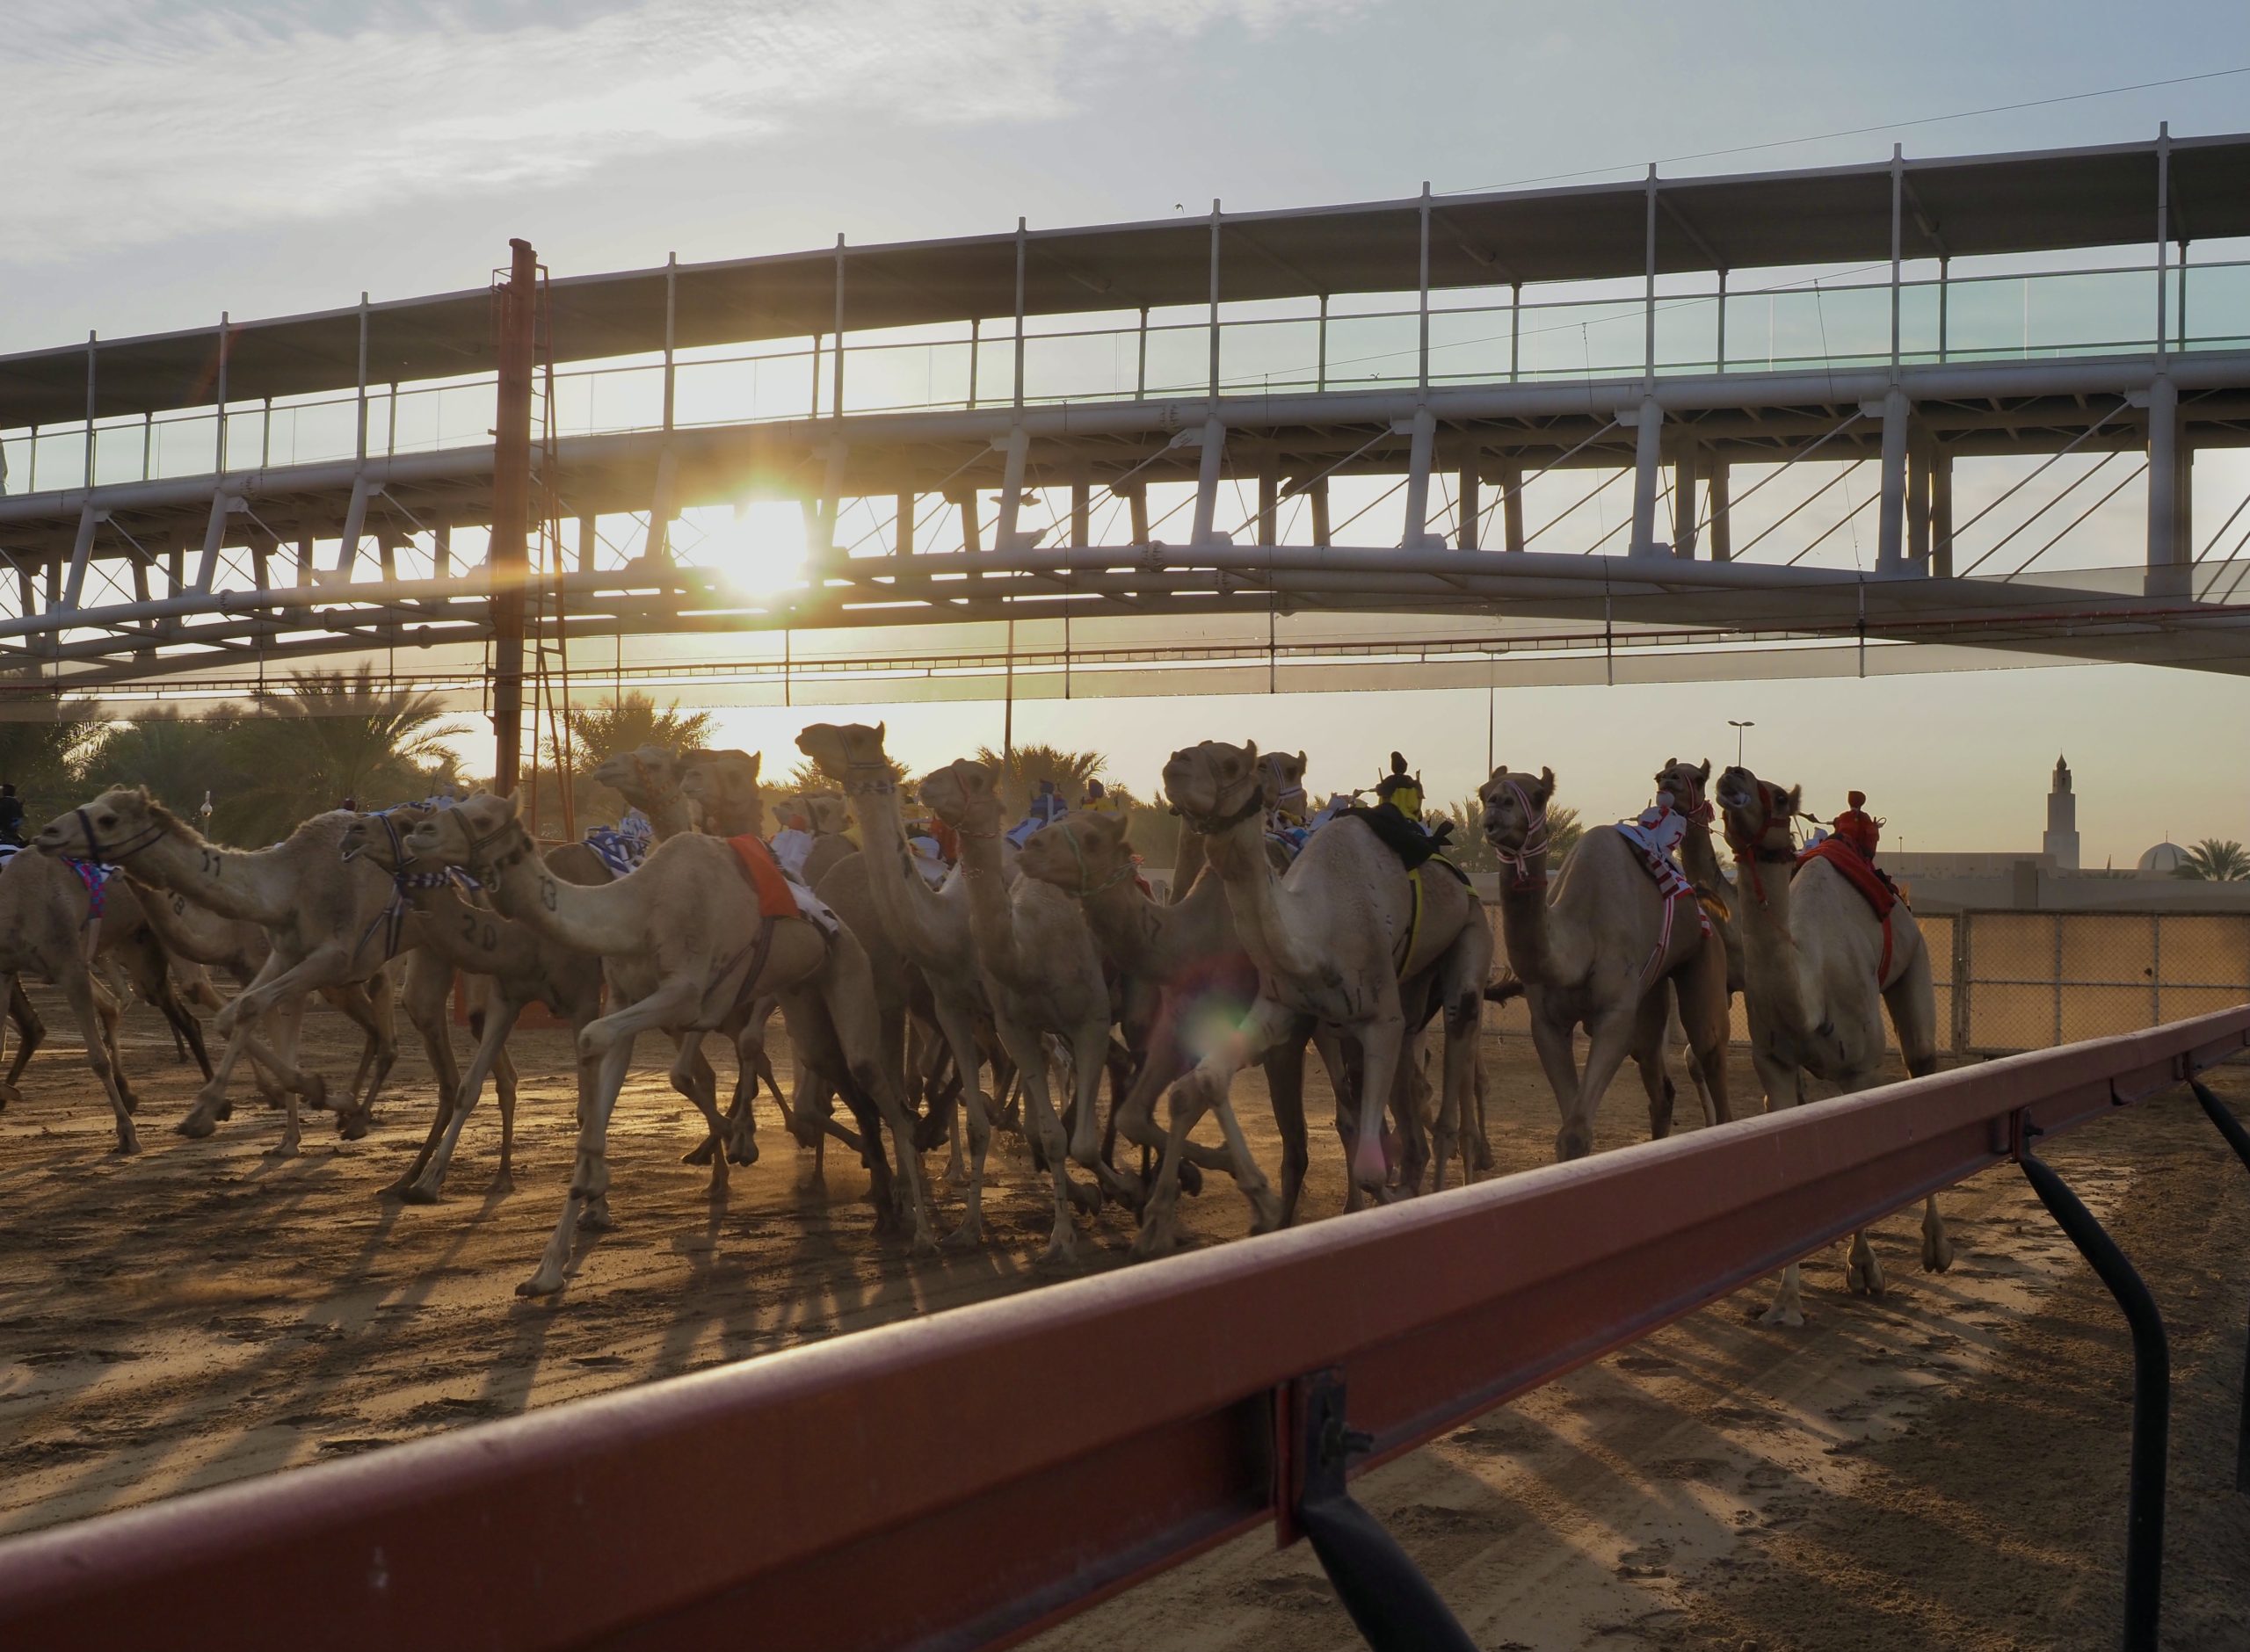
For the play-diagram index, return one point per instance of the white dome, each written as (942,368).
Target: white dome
(2166,858)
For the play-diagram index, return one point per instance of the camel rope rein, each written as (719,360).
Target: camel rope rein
(1518,860)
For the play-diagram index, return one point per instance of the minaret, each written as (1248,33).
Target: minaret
(2061,838)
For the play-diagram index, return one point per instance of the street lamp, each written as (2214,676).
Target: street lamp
(1738,727)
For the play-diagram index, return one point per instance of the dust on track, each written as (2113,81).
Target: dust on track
(1940,1468)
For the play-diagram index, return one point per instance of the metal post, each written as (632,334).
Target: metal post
(1081,514)
(305,555)
(1944,300)
(1897,207)
(1269,514)
(224,351)
(1020,251)
(1017,446)
(589,537)
(903,529)
(1720,365)
(1206,531)
(1141,374)
(1917,501)
(1424,312)
(148,437)
(1471,506)
(1320,383)
(1415,531)
(2163,236)
(1137,501)
(1649,299)
(968,530)
(2180,324)
(2238,1138)
(441,548)
(509,563)
(264,435)
(1515,330)
(2163,484)
(813,412)
(976,353)
(1512,505)
(1941,513)
(1214,300)
(2152,1397)
(90,410)
(836,387)
(1684,479)
(1890,537)
(1319,495)
(363,379)
(1648,455)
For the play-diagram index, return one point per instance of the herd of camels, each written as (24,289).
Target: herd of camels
(1051,959)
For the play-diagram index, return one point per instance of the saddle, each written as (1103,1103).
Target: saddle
(1413,846)
(765,876)
(1873,884)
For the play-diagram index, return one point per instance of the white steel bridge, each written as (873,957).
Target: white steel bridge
(1360,445)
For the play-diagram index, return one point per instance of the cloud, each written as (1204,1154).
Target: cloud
(132,122)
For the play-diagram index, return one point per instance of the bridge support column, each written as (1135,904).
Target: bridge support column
(1081,514)
(831,506)
(2168,475)
(1891,534)
(1319,493)
(508,566)
(1512,506)
(1917,501)
(1647,421)
(1137,501)
(1941,513)
(1206,483)
(1722,525)
(214,535)
(1686,473)
(589,537)
(1421,455)
(355,528)
(657,549)
(1472,504)
(74,587)
(971,538)
(1269,504)
(902,524)
(1016,445)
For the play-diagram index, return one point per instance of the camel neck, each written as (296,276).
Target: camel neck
(1524,917)
(1143,935)
(989,919)
(1763,902)
(237,882)
(908,906)
(1258,901)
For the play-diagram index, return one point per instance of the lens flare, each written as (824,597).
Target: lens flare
(761,550)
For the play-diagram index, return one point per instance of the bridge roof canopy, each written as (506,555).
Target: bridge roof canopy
(1973,205)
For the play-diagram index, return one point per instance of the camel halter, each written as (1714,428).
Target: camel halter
(1751,852)
(115,852)
(1535,840)
(1212,825)
(881,787)
(392,919)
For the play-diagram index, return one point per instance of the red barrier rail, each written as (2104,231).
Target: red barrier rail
(964,1480)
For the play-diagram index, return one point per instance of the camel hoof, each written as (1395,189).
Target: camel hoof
(1573,1143)
(540,1284)
(226,1111)
(132,1101)
(1154,1241)
(8,1093)
(129,1142)
(700,1155)
(417,1193)
(744,1151)
(1778,1315)
(1937,1252)
(964,1240)
(1265,1213)
(1864,1276)
(352,1126)
(924,1244)
(1191,1178)
(501,1183)
(1060,1257)
(596,1217)
(316,1091)
(197,1124)
(285,1148)
(1087,1197)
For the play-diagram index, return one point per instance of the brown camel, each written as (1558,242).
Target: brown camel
(332,923)
(1821,975)
(1594,954)
(1332,938)
(1042,975)
(647,778)
(49,930)
(684,950)
(930,927)
(516,965)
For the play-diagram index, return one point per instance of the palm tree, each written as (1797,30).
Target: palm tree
(1471,853)
(337,736)
(2215,860)
(180,759)
(626,723)
(41,759)
(1024,768)
(806,776)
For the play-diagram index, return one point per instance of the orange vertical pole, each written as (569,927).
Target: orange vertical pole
(508,564)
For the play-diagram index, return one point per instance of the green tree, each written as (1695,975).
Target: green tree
(336,737)
(2215,860)
(40,758)
(1472,853)
(1028,766)
(181,758)
(805,775)
(599,732)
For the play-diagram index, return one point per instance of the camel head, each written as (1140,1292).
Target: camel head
(965,795)
(1515,814)
(646,777)
(1689,784)
(850,754)
(381,835)
(1758,814)
(119,821)
(830,812)
(1284,775)
(721,788)
(472,834)
(1215,784)
(1079,854)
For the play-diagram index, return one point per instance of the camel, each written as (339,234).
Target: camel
(1187,953)
(1042,975)
(830,814)
(930,927)
(1818,982)
(1332,938)
(684,950)
(332,923)
(48,927)
(1595,955)
(518,967)
(648,779)
(1689,783)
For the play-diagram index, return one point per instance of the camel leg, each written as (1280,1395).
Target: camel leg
(1558,1059)
(590,1174)
(1460,989)
(1135,1118)
(1382,1039)
(1912,1000)
(1648,1027)
(1284,1065)
(31,1033)
(692,1076)
(959,1026)
(1785,1088)
(1204,1089)
(89,1005)
(1608,1041)
(426,1178)
(1707,1016)
(1046,1128)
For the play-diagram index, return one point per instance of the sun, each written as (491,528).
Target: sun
(760,549)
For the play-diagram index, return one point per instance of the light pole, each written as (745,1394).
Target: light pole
(1738,727)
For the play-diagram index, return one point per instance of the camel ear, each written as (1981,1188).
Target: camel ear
(1252,749)
(1547,780)
(1796,799)
(881,728)
(1706,769)
(756,757)
(1301,761)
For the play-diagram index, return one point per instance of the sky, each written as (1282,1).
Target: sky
(174,158)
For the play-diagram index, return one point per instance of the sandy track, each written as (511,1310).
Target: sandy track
(200,1314)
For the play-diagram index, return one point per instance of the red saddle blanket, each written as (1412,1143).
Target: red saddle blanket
(774,898)
(1860,873)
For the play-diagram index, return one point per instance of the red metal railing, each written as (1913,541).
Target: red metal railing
(962,1480)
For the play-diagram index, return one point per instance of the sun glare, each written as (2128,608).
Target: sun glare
(760,549)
